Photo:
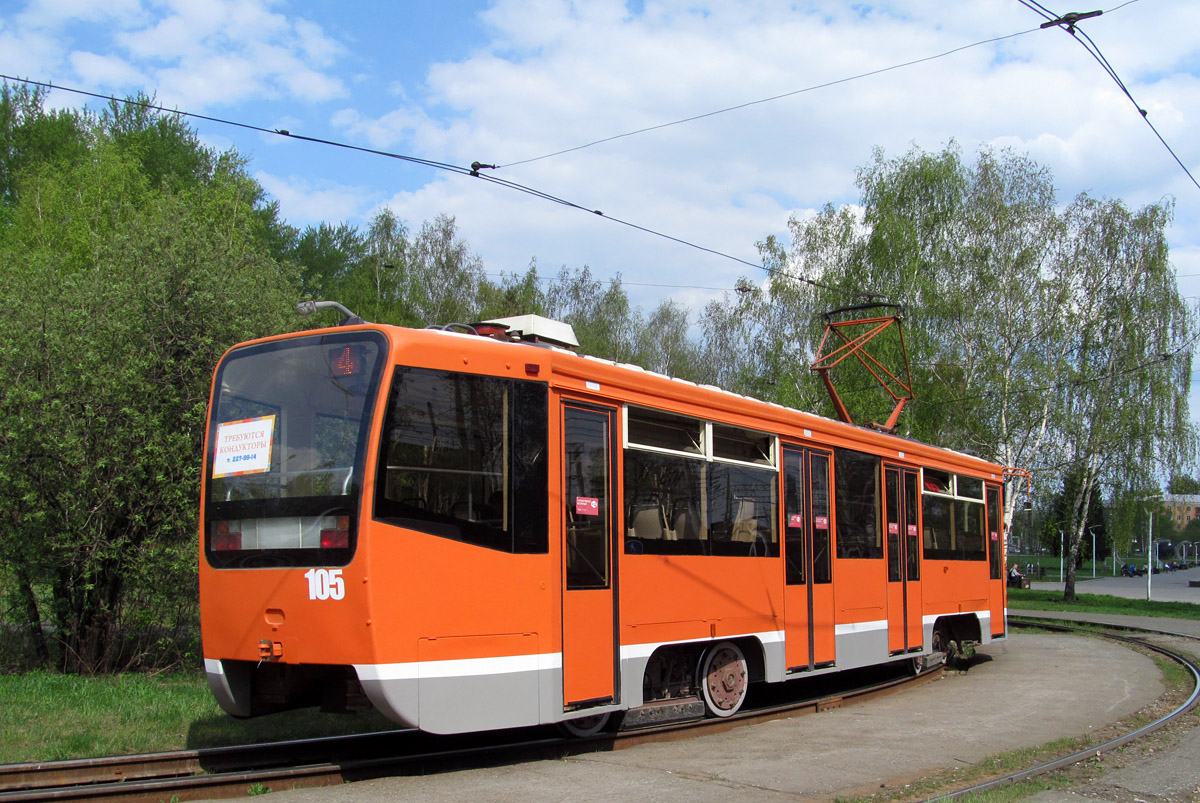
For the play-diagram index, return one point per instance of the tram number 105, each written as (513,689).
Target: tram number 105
(325,584)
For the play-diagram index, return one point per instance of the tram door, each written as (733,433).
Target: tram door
(808,589)
(902,505)
(589,654)
(996,564)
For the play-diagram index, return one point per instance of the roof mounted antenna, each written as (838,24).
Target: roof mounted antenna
(900,390)
(348,317)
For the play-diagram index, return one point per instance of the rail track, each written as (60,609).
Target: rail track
(232,771)
(1120,741)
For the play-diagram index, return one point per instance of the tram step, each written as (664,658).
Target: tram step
(661,712)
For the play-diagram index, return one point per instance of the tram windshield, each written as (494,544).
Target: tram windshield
(287,443)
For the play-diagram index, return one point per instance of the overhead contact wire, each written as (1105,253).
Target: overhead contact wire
(771,99)
(472,171)
(1070,24)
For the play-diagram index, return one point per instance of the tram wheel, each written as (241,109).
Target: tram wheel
(723,679)
(583,727)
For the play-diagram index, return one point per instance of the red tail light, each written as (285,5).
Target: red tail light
(337,537)
(224,540)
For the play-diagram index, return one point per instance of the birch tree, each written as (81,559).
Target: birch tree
(1122,412)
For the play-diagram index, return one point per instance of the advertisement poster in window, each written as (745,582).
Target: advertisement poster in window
(243,447)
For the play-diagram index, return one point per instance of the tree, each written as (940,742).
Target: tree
(604,322)
(372,280)
(965,251)
(1038,338)
(326,256)
(663,344)
(1058,519)
(168,152)
(1192,531)
(443,276)
(31,135)
(516,294)
(1122,395)
(119,290)
(1184,484)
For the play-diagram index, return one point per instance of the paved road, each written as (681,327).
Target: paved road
(1170,775)
(1019,693)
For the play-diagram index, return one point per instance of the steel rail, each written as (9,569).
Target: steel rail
(1097,750)
(231,771)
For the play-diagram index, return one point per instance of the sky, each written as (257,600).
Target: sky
(506,82)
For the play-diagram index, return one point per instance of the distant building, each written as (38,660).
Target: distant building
(1183,507)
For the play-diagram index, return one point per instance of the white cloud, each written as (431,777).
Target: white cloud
(192,54)
(108,71)
(382,132)
(51,13)
(28,53)
(307,202)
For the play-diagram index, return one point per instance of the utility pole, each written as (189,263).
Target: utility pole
(1149,554)
(1062,577)
(1092,530)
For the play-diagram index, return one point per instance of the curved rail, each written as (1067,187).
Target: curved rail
(231,771)
(1066,761)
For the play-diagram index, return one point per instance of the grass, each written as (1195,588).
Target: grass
(46,716)
(1028,599)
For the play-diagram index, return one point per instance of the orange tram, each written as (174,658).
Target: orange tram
(475,532)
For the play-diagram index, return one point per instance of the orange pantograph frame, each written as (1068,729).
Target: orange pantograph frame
(856,346)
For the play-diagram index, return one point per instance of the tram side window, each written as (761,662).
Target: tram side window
(679,505)
(681,501)
(664,497)
(735,443)
(741,510)
(465,457)
(666,431)
(856,495)
(953,513)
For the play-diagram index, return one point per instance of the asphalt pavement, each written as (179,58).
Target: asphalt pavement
(1023,692)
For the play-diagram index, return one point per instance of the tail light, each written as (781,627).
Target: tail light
(225,537)
(337,537)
